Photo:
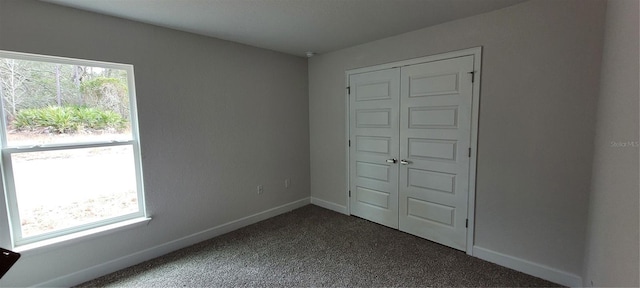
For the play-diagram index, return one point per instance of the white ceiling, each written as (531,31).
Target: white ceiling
(292,26)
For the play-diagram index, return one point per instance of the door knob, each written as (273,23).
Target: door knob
(405,162)
(392,160)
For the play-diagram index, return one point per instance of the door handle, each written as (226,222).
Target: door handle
(405,162)
(392,160)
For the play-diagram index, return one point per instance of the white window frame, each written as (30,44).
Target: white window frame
(10,226)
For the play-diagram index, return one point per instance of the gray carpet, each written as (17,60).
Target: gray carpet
(312,246)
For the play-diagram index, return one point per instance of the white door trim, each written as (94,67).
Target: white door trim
(477,53)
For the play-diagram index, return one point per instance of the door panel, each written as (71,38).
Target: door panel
(430,211)
(372,197)
(436,181)
(374,134)
(373,118)
(435,135)
(433,117)
(433,149)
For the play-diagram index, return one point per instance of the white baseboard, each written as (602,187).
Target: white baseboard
(153,252)
(528,267)
(329,205)
(535,269)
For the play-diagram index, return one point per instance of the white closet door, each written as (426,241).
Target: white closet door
(435,135)
(374,129)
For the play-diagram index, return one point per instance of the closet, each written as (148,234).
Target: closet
(412,134)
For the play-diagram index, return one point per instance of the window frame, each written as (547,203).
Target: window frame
(9,213)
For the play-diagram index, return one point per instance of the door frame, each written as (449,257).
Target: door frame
(475,109)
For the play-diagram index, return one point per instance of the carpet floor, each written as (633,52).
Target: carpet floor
(313,246)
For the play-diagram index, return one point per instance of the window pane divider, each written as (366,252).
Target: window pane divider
(51,147)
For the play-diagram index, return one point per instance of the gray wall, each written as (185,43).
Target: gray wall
(540,74)
(216,119)
(611,257)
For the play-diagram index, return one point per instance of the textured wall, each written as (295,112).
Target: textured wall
(540,75)
(216,119)
(611,257)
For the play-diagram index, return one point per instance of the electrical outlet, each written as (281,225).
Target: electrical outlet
(260,189)
(287,183)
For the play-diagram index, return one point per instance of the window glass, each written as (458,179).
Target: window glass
(52,103)
(64,188)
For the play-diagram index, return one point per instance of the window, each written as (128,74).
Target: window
(70,149)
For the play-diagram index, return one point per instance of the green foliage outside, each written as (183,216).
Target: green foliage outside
(68,119)
(106,93)
(46,97)
(96,84)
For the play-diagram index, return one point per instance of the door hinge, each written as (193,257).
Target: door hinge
(349,90)
(469,152)
(466,223)
(473,76)
(349,143)
(349,193)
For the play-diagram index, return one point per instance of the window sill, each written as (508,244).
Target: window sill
(49,244)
